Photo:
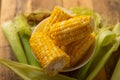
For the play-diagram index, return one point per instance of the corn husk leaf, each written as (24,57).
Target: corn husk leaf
(28,72)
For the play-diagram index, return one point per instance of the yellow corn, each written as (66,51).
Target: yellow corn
(58,14)
(71,30)
(50,56)
(76,50)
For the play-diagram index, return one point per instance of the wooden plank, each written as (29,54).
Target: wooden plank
(69,3)
(45,4)
(23,6)
(7,12)
(109,9)
(0,10)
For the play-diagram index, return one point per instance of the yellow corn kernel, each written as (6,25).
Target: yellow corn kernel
(71,30)
(57,15)
(76,50)
(50,56)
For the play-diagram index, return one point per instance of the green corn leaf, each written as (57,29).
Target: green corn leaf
(102,62)
(116,29)
(12,36)
(28,72)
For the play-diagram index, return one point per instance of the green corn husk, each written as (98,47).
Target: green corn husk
(102,62)
(37,16)
(28,72)
(14,41)
(116,29)
(103,38)
(116,73)
(24,31)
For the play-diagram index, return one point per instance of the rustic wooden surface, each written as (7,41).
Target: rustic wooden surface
(109,9)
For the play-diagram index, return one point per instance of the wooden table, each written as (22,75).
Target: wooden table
(109,9)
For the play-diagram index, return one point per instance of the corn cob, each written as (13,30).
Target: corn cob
(71,30)
(50,56)
(58,14)
(76,50)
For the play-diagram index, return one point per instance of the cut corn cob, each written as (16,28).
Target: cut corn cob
(76,50)
(50,56)
(58,14)
(71,30)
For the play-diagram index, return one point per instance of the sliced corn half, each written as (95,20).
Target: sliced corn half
(58,14)
(50,56)
(76,50)
(67,31)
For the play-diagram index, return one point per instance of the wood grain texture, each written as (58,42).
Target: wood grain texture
(109,9)
(78,3)
(45,4)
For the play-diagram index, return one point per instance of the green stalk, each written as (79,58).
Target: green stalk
(28,51)
(29,72)
(103,61)
(81,73)
(24,33)
(116,73)
(116,29)
(14,41)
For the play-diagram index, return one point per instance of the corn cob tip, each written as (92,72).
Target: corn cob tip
(64,10)
(58,14)
(57,65)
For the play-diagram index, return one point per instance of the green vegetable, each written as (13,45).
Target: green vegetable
(28,72)
(104,38)
(24,31)
(37,16)
(102,62)
(116,73)
(14,41)
(116,29)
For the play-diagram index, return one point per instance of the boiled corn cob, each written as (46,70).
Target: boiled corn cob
(71,30)
(50,56)
(76,50)
(58,14)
